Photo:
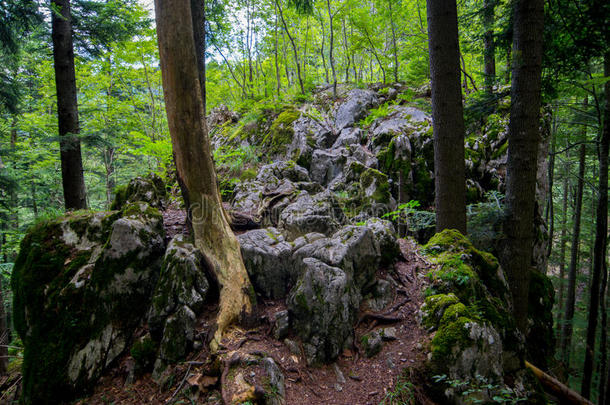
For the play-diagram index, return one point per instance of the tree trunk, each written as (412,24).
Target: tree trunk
(294,47)
(194,164)
(75,195)
(447,116)
(571,292)
(562,244)
(332,47)
(601,241)
(521,166)
(4,333)
(276,51)
(603,344)
(394,45)
(488,41)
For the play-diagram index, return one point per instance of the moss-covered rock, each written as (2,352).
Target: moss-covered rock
(375,186)
(82,284)
(150,189)
(282,130)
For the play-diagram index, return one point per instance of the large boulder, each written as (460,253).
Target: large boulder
(327,165)
(267,257)
(355,108)
(323,308)
(353,249)
(319,213)
(309,134)
(82,284)
(178,298)
(150,189)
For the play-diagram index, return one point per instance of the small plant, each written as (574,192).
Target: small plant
(403,393)
(408,214)
(480,390)
(376,113)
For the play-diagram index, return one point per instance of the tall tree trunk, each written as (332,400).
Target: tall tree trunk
(278,80)
(346,49)
(321,18)
(562,246)
(489,53)
(603,344)
(75,195)
(447,116)
(194,164)
(601,241)
(332,48)
(571,292)
(4,333)
(294,46)
(523,138)
(394,44)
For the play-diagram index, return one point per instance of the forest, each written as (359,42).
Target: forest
(304,201)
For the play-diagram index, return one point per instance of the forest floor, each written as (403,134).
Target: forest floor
(352,379)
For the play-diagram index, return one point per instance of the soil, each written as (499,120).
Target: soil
(362,380)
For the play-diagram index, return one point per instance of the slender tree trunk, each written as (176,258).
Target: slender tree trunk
(13,197)
(346,50)
(321,18)
(394,44)
(550,208)
(447,116)
(305,49)
(4,333)
(522,160)
(332,48)
(571,292)
(488,41)
(603,344)
(75,195)
(109,174)
(278,79)
(601,241)
(194,164)
(508,66)
(562,248)
(294,47)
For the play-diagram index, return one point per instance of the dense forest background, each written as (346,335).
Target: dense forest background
(265,54)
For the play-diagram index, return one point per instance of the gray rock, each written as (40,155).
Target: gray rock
(348,137)
(372,343)
(281,324)
(309,134)
(353,249)
(354,108)
(285,169)
(182,283)
(267,258)
(364,156)
(320,213)
(386,236)
(254,379)
(99,271)
(389,334)
(323,308)
(382,295)
(326,165)
(178,335)
(149,189)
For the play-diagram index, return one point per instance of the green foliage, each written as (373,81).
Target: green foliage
(402,394)
(480,390)
(376,113)
(408,214)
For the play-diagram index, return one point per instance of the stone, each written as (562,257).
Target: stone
(326,165)
(254,379)
(319,213)
(382,295)
(183,282)
(284,169)
(355,108)
(323,307)
(389,334)
(372,343)
(281,324)
(375,186)
(149,189)
(267,258)
(348,137)
(82,285)
(309,134)
(386,237)
(353,249)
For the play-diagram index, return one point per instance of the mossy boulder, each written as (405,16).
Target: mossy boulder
(468,308)
(150,189)
(82,284)
(254,379)
(282,130)
(375,186)
(323,307)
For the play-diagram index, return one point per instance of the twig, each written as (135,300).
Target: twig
(188,370)
(397,306)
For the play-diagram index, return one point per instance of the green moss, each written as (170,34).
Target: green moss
(372,177)
(144,353)
(282,131)
(434,308)
(248,174)
(449,339)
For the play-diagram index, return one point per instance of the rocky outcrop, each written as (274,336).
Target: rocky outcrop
(82,284)
(318,213)
(356,107)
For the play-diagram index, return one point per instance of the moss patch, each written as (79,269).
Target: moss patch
(282,130)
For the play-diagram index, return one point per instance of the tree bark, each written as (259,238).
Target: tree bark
(394,44)
(294,47)
(562,246)
(571,292)
(603,344)
(331,45)
(447,116)
(3,334)
(73,181)
(601,241)
(523,138)
(194,164)
(489,53)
